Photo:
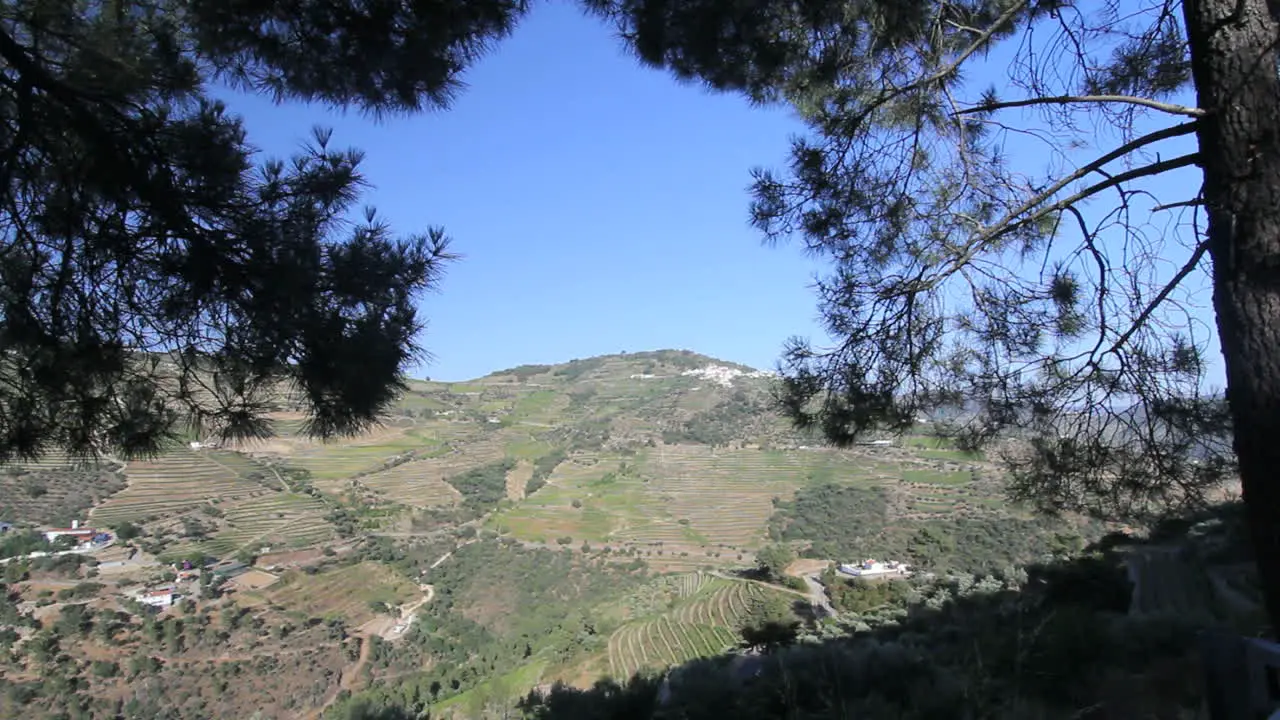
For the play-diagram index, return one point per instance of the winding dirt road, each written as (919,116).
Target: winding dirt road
(350,676)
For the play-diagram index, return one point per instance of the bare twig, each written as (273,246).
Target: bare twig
(1190,265)
(1019,216)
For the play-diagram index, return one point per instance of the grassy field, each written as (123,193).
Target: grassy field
(527,449)
(726,496)
(540,406)
(938,448)
(701,622)
(437,448)
(332,462)
(174,483)
(345,592)
(421,483)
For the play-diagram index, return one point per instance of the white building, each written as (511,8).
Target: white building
(81,535)
(871,568)
(162,598)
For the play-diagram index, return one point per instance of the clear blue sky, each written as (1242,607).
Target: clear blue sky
(600,205)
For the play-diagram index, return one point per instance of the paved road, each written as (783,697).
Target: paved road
(60,553)
(408,614)
(818,596)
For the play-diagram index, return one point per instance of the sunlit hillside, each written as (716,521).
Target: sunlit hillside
(602,517)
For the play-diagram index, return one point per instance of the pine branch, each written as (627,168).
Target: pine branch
(888,95)
(1194,202)
(1020,217)
(154,191)
(1163,134)
(1171,108)
(1110,182)
(968,52)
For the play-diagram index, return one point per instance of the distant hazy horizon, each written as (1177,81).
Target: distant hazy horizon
(427,376)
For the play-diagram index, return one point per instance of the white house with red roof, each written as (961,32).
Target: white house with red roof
(81,535)
(160,597)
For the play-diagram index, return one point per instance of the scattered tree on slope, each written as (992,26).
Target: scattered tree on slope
(769,622)
(772,560)
(846,524)
(485,486)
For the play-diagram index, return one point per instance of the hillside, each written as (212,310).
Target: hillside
(672,454)
(55,490)
(494,534)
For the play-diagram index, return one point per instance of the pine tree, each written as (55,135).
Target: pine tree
(154,273)
(1042,298)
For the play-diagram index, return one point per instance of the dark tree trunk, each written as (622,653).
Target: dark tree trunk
(1233,63)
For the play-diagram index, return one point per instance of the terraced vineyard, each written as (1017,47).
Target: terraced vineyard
(689,585)
(344,592)
(550,512)
(276,520)
(419,483)
(173,483)
(686,558)
(924,500)
(727,496)
(331,464)
(246,466)
(652,463)
(703,623)
(56,460)
(685,497)
(438,448)
(518,479)
(658,595)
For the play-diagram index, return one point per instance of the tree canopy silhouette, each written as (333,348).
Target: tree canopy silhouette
(154,272)
(998,247)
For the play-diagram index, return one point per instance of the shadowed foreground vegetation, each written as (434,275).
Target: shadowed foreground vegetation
(1042,652)
(1054,640)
